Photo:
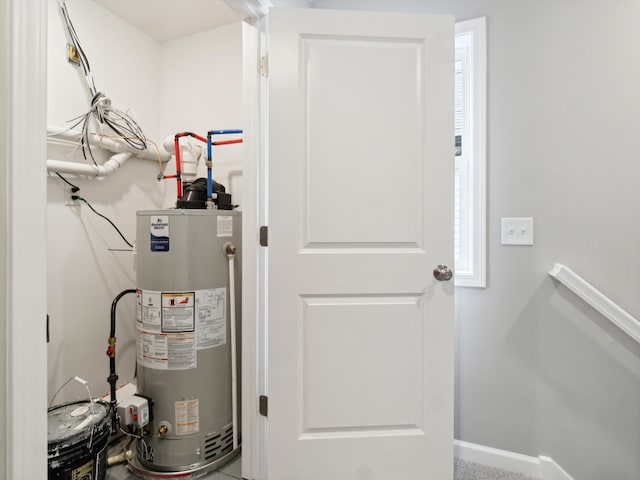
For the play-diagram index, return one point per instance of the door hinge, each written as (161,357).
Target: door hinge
(264,66)
(264,236)
(264,405)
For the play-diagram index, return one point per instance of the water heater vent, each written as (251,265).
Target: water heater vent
(218,443)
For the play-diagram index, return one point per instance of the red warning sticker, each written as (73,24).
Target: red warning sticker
(178,312)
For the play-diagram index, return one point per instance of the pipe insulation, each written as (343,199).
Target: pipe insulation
(104,170)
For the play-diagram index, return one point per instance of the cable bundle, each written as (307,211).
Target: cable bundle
(101,113)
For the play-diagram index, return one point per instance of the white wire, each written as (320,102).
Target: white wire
(93,414)
(101,111)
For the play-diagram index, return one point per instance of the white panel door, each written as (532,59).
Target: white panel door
(360,181)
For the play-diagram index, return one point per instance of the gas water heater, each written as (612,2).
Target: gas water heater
(188,273)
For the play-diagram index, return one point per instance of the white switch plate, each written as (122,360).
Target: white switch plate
(517,231)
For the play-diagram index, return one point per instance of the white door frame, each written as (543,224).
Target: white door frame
(23,295)
(254,256)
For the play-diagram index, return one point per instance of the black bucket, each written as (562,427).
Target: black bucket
(77,440)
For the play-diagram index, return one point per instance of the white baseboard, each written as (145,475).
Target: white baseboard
(539,467)
(551,470)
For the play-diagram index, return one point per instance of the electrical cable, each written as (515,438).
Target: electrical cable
(78,197)
(74,188)
(101,112)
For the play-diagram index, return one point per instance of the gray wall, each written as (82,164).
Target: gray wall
(5,92)
(538,372)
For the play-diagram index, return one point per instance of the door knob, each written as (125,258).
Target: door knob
(443,273)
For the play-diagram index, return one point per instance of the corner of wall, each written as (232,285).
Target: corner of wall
(550,470)
(544,468)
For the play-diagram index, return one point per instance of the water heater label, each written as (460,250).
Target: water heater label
(166,351)
(151,311)
(187,417)
(178,312)
(159,233)
(225,226)
(139,306)
(153,350)
(211,318)
(181,349)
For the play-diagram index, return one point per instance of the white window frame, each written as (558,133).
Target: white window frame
(471,250)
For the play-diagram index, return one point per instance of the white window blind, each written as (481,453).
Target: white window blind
(470,156)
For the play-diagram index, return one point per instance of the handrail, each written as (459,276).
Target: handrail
(597,300)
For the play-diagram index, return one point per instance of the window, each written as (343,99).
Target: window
(470,158)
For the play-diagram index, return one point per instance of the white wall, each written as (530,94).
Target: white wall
(5,96)
(201,91)
(538,371)
(137,73)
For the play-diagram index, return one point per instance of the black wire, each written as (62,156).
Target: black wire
(78,197)
(74,188)
(101,111)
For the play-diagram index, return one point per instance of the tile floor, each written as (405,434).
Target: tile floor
(463,471)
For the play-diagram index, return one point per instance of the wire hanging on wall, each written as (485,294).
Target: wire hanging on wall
(101,113)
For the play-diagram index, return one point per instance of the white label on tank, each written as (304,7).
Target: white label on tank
(166,351)
(187,417)
(139,345)
(181,351)
(225,226)
(178,312)
(151,311)
(211,318)
(155,350)
(139,305)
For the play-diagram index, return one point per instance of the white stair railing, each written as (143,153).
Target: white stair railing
(597,300)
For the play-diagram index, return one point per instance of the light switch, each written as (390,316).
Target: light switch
(517,231)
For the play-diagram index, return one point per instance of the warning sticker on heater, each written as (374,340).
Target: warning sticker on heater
(182,351)
(139,306)
(151,311)
(166,351)
(187,417)
(178,312)
(153,350)
(225,226)
(139,345)
(211,315)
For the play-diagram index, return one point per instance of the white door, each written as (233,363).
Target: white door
(360,167)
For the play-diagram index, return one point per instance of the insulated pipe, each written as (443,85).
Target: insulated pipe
(176,146)
(230,250)
(210,135)
(111,353)
(106,143)
(107,168)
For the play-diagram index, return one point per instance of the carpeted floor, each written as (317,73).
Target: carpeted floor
(463,471)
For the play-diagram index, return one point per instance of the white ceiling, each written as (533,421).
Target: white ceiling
(166,20)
